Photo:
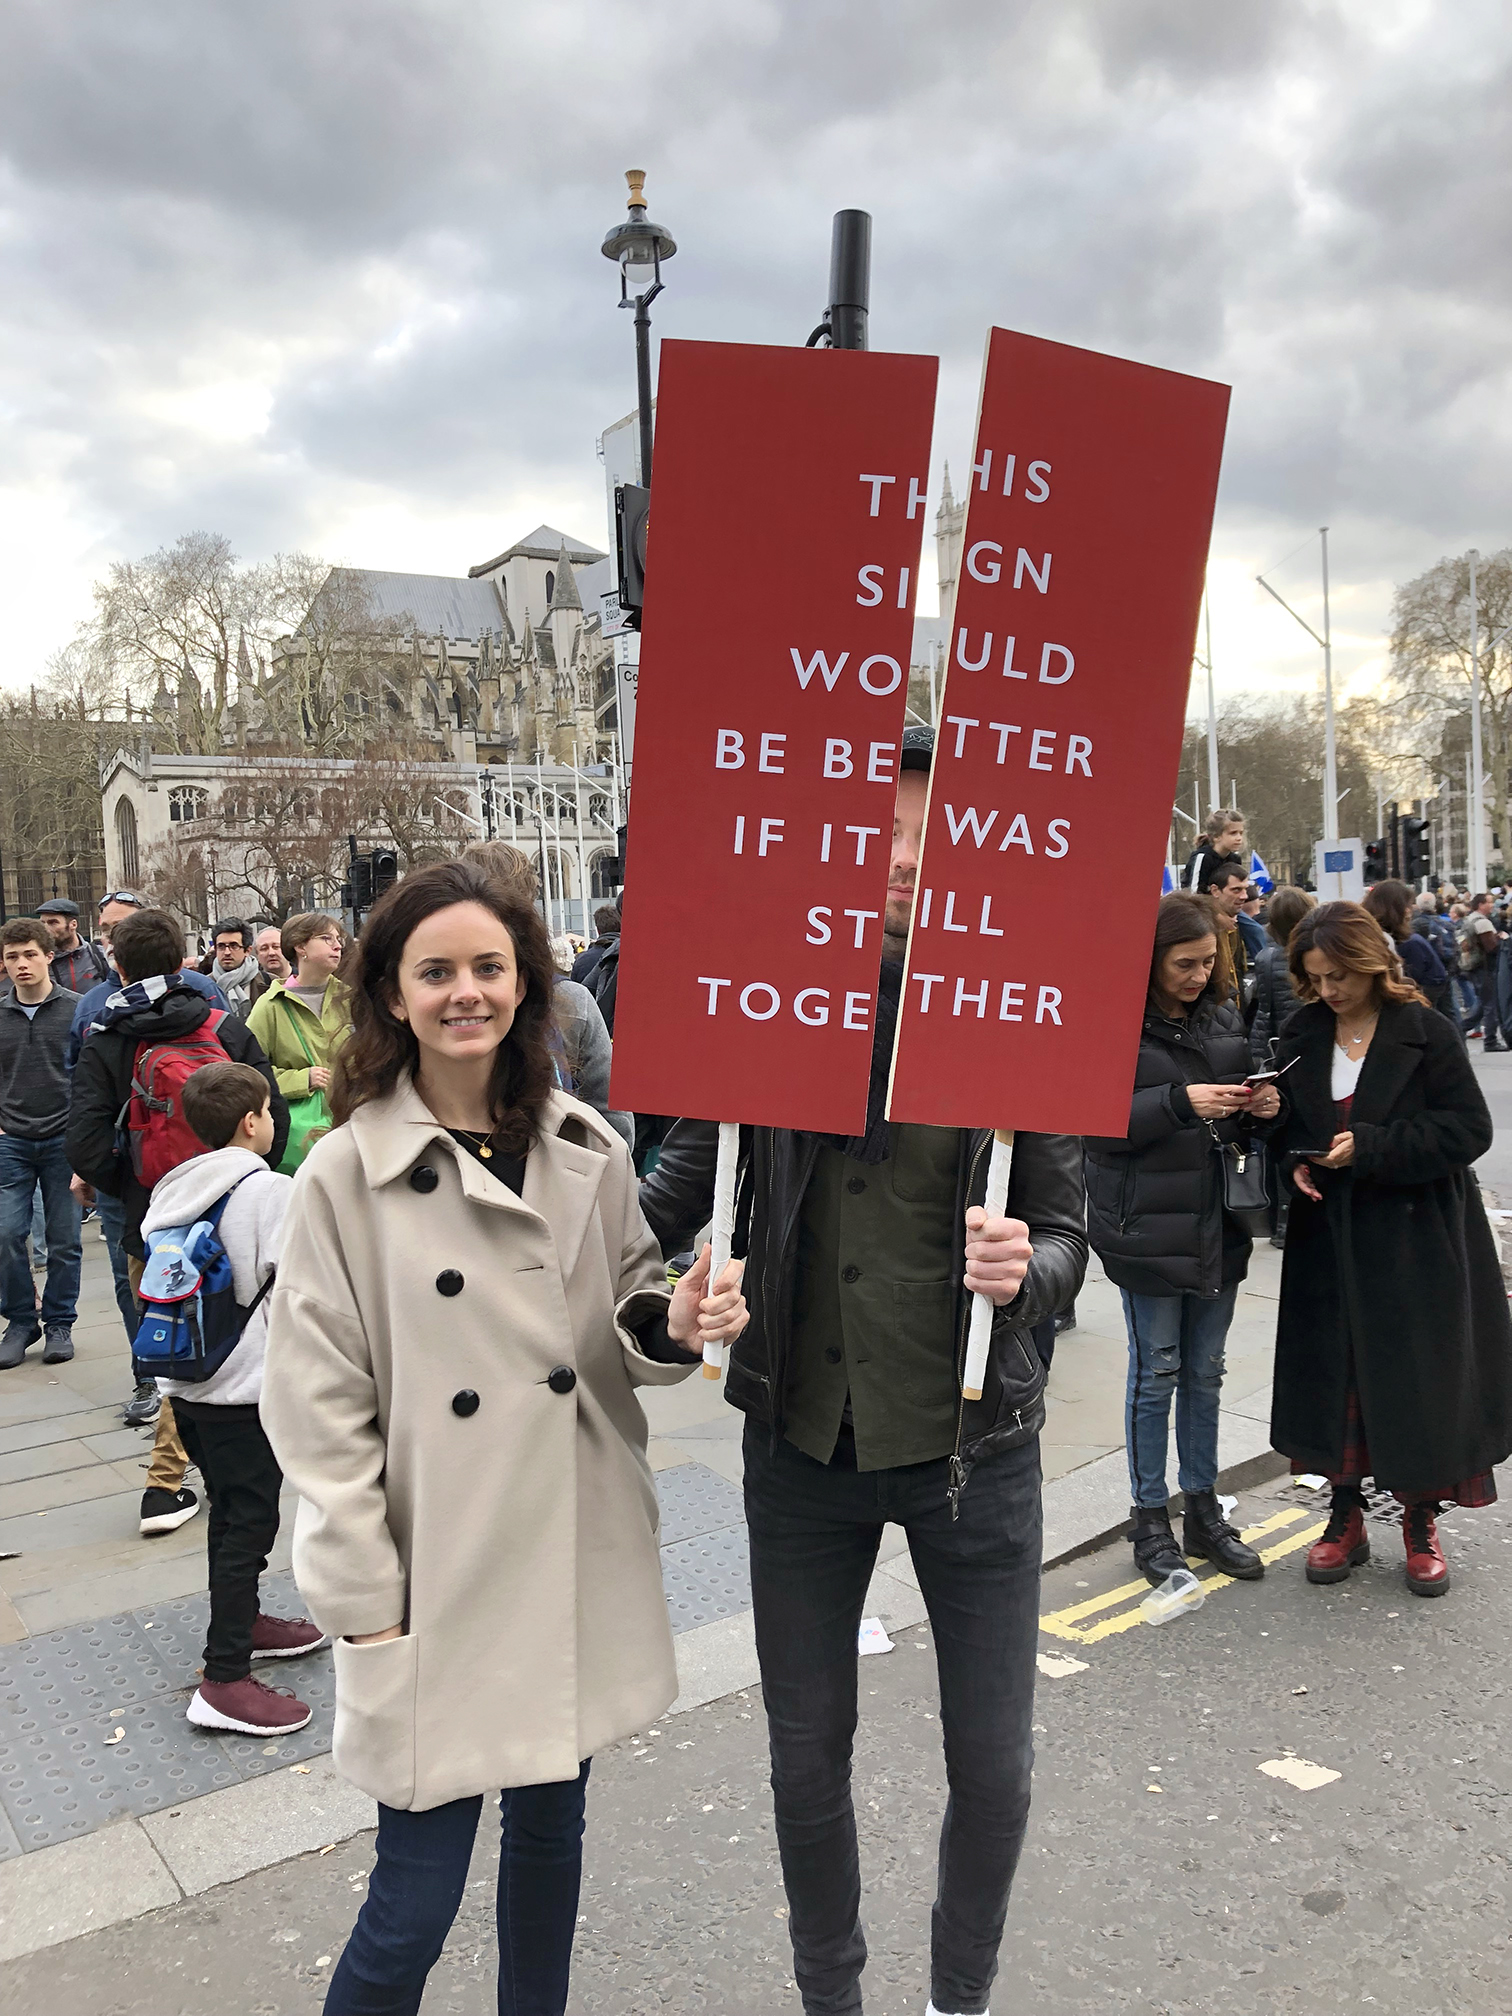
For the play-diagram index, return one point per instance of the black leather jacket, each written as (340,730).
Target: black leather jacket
(1045,1191)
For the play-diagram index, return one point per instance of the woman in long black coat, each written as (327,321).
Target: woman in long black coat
(1393,1345)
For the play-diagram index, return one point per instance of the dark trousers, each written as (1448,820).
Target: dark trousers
(113,1219)
(814,1530)
(417,1884)
(242,1481)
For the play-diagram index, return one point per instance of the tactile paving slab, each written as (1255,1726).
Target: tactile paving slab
(707,1578)
(696,1500)
(66,1693)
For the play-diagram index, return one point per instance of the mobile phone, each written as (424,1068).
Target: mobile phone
(1268,1077)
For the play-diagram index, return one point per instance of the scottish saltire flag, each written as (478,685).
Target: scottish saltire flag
(1168,880)
(1260,875)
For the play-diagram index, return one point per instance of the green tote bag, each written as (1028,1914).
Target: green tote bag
(308,1117)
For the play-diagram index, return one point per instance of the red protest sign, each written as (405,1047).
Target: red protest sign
(761,812)
(1083,554)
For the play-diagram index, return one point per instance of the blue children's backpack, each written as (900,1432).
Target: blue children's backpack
(191,1321)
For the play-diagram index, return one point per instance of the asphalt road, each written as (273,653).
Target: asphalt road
(1165,1871)
(1495,1075)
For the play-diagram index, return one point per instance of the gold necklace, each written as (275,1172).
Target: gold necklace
(482,1140)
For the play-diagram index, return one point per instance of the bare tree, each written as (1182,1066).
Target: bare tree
(1429,684)
(175,620)
(1273,750)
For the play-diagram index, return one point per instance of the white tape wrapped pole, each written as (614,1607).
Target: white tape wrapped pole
(724,1228)
(979,1336)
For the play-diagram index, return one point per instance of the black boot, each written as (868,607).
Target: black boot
(1156,1554)
(1205,1531)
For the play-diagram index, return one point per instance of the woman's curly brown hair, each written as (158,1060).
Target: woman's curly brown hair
(382,1048)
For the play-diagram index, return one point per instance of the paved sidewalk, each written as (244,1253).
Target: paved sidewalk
(101,1631)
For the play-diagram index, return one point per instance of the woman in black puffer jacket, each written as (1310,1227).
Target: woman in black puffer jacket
(1155,1217)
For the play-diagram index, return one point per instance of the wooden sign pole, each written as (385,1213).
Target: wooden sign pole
(979,1337)
(724,1229)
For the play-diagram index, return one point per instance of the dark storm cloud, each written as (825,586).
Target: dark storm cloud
(371,229)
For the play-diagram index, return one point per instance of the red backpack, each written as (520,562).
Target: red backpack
(159,1135)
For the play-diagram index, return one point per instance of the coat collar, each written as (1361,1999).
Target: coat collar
(562,1175)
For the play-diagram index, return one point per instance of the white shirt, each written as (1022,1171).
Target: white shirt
(1345,1075)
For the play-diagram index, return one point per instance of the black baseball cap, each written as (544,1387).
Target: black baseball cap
(917,752)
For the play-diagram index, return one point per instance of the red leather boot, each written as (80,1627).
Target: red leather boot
(1343,1544)
(1427,1570)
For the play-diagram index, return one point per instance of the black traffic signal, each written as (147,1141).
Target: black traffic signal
(385,870)
(632,510)
(1375,861)
(361,881)
(1414,848)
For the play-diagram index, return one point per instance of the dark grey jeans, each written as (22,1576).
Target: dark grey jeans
(815,1529)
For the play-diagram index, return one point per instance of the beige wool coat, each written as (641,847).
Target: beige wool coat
(450,1387)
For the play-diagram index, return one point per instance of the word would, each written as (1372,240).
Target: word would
(967,663)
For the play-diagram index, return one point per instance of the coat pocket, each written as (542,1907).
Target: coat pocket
(374,1742)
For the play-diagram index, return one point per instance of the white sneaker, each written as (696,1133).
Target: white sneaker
(932,2011)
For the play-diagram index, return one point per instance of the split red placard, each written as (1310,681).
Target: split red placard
(789,486)
(1082,565)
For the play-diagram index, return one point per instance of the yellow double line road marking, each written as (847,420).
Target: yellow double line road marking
(1068,1623)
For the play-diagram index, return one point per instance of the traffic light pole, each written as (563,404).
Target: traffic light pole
(1476,810)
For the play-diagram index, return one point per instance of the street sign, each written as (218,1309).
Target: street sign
(1339,870)
(1083,555)
(767,748)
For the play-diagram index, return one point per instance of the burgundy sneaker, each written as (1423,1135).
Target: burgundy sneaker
(247,1708)
(285,1637)
(1427,1570)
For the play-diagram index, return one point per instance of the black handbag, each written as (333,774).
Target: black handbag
(1246,1184)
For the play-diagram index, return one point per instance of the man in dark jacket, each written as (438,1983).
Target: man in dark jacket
(862,1253)
(77,963)
(606,922)
(153,1004)
(34,1020)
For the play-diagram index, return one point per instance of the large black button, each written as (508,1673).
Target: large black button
(465,1402)
(831,1355)
(850,1273)
(423,1178)
(449,1281)
(561,1379)
(856,1185)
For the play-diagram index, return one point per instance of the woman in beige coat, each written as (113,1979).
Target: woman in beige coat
(467,1298)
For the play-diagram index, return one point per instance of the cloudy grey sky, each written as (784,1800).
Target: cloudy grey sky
(327,275)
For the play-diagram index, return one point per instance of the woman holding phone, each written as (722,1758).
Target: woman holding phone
(467,1298)
(1156,1218)
(1393,1342)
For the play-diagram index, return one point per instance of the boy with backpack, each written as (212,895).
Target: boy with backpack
(212,1230)
(126,1127)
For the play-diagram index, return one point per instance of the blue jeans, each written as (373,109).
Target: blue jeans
(113,1220)
(814,1531)
(23,1166)
(417,1884)
(1175,1352)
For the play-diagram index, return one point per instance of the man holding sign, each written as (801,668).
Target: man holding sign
(863,1253)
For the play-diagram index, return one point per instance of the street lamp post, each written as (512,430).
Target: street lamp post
(1330,753)
(1477,806)
(639,247)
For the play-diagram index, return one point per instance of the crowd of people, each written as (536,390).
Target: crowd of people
(375,1230)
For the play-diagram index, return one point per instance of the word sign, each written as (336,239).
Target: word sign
(1083,554)
(761,817)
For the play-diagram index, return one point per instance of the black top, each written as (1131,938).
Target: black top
(510,1169)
